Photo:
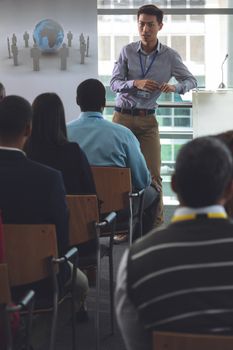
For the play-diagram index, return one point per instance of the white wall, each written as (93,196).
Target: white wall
(17,16)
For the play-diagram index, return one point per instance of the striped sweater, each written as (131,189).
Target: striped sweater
(181,278)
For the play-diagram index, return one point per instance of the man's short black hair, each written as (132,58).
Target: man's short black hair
(151,10)
(203,170)
(15,115)
(91,95)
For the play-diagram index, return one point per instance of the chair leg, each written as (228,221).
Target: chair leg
(111,291)
(97,313)
(73,322)
(29,325)
(53,328)
(7,328)
(130,221)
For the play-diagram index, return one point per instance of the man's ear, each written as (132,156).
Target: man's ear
(228,192)
(160,25)
(28,130)
(173,183)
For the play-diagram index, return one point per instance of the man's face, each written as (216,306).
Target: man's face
(148,28)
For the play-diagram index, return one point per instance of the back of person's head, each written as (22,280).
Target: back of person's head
(15,117)
(151,10)
(2,92)
(48,124)
(91,95)
(203,172)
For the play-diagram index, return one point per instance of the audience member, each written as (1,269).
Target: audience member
(31,193)
(48,145)
(2,92)
(109,144)
(180,278)
(227,138)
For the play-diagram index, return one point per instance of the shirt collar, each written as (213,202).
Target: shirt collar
(12,149)
(188,213)
(91,114)
(141,49)
(203,210)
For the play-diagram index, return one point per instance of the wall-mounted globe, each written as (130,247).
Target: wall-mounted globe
(48,35)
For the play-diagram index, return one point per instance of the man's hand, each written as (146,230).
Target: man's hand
(146,85)
(165,87)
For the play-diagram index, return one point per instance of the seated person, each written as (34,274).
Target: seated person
(31,193)
(110,144)
(48,145)
(179,279)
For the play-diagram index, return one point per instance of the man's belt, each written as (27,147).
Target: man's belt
(135,111)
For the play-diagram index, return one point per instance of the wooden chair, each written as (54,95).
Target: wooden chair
(31,255)
(114,190)
(6,308)
(185,341)
(85,227)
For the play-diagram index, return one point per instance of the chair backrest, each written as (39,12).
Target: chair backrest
(113,185)
(5,295)
(83,211)
(28,248)
(184,341)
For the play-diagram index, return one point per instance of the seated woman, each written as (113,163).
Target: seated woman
(48,145)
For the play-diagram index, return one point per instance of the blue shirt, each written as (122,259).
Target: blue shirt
(109,144)
(167,63)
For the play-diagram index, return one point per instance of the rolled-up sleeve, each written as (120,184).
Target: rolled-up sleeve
(119,81)
(186,81)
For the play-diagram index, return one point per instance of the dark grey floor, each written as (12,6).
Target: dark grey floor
(85,331)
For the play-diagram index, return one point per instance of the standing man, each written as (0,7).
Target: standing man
(139,76)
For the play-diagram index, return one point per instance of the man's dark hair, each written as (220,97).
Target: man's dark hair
(151,10)
(91,95)
(48,123)
(15,115)
(203,170)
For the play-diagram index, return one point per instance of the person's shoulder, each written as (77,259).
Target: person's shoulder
(155,237)
(121,129)
(133,46)
(72,122)
(167,49)
(72,147)
(41,170)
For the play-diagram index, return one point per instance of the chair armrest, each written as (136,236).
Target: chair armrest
(108,219)
(137,193)
(23,303)
(27,298)
(73,252)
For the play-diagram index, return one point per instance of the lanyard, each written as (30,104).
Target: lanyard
(199,216)
(144,73)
